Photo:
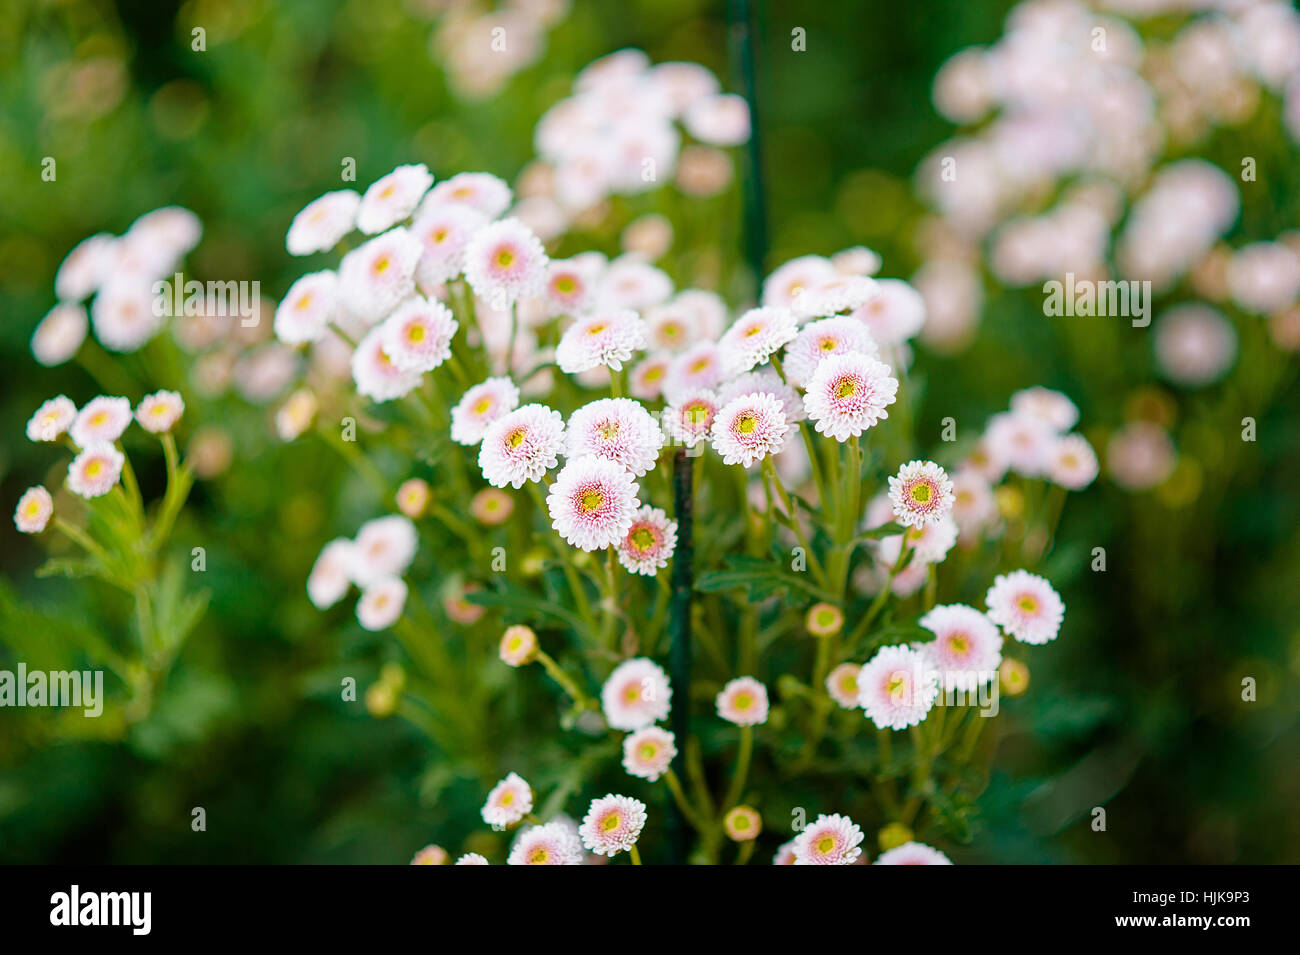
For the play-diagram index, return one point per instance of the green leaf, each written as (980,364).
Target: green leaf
(514,598)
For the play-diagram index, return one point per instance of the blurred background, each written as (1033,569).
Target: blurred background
(1137,708)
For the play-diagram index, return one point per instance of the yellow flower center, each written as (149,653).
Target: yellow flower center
(515,438)
(505,258)
(921,493)
(611,822)
(591,501)
(415,334)
(482,406)
(846,388)
(642,539)
(825,844)
(597,328)
(1027,603)
(746,423)
(381,264)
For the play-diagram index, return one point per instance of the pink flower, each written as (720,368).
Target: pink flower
(848,393)
(592,503)
(743,701)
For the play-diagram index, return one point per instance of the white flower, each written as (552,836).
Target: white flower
(912,853)
(331,574)
(123,315)
(592,502)
(689,417)
(897,687)
(85,268)
(322,222)
(649,543)
(444,231)
(820,340)
(894,314)
(749,429)
(756,336)
(307,308)
(648,752)
(375,374)
(381,603)
(375,277)
(606,338)
(159,412)
(508,803)
(1072,463)
(521,446)
(921,493)
(829,840)
(417,336)
(35,508)
(551,844)
(966,649)
(848,393)
(721,120)
(743,701)
(51,419)
(102,420)
(612,824)
(504,262)
(1025,606)
(482,191)
(618,429)
(383,548)
(95,471)
(393,198)
(481,405)
(59,335)
(636,695)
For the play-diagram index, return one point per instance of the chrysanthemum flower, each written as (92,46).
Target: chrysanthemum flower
(374,373)
(375,277)
(1013,677)
(393,197)
(382,548)
(1050,407)
(480,406)
(966,648)
(830,840)
(95,470)
(472,858)
(1072,463)
(848,394)
(123,315)
(912,853)
(649,543)
(521,446)
(381,603)
(417,336)
(921,493)
(858,260)
(897,687)
(570,287)
(648,752)
(765,379)
(795,277)
(820,340)
(491,506)
(60,334)
(51,419)
(972,501)
(413,497)
(756,336)
(824,620)
(518,646)
(549,844)
(479,190)
(843,293)
(306,310)
(85,268)
(894,314)
(1025,606)
(721,120)
(103,419)
(504,262)
(750,428)
(930,542)
(636,694)
(431,855)
(508,803)
(689,417)
(697,368)
(629,283)
(606,338)
(1020,440)
(35,508)
(743,701)
(159,412)
(784,854)
(742,824)
(443,232)
(592,503)
(322,222)
(331,575)
(842,685)
(296,414)
(647,379)
(613,824)
(617,429)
